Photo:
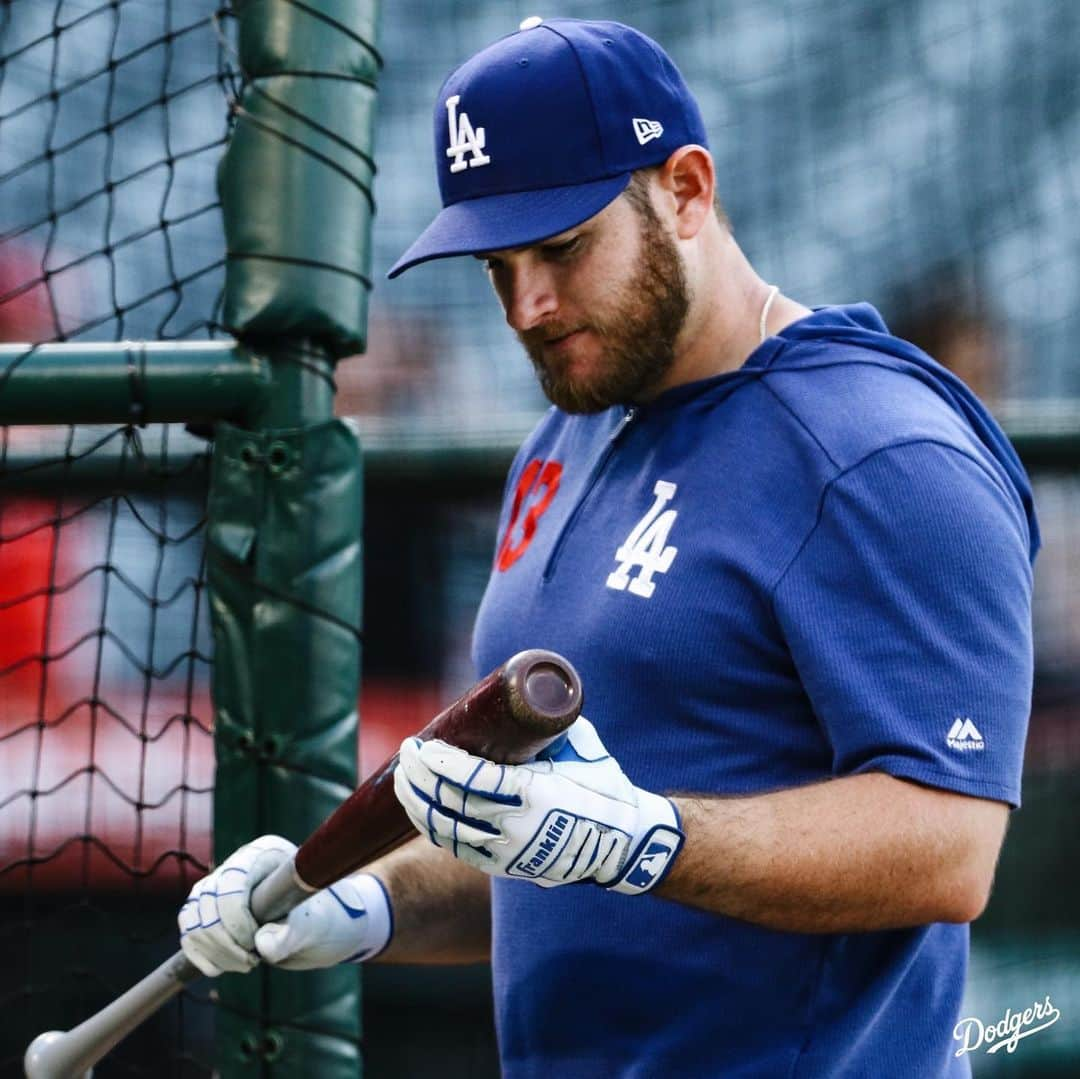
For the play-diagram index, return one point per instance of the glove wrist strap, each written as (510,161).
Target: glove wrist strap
(377,929)
(655,848)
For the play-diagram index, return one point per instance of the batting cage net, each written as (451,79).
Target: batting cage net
(113,117)
(918,155)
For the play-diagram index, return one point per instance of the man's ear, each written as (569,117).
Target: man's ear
(689,179)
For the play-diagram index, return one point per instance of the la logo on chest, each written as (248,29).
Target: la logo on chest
(646,551)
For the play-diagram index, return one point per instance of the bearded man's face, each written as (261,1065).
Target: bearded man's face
(609,299)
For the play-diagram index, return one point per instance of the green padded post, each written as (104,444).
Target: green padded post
(296,179)
(284,516)
(284,569)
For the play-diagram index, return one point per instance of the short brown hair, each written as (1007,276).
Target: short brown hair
(637,194)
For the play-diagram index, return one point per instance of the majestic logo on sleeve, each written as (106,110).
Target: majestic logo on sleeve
(537,487)
(646,548)
(964,735)
(464,139)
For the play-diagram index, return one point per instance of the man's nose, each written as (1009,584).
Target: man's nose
(530,298)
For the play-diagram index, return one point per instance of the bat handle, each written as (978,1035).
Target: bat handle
(69,1054)
(274,896)
(65,1055)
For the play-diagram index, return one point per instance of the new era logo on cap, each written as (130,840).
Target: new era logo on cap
(647,130)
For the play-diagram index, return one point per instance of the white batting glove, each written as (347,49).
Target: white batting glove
(217,928)
(570,817)
(348,922)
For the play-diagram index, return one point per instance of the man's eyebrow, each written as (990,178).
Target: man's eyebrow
(551,241)
(512,250)
(484,256)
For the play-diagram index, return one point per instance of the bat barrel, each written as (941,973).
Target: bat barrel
(518,710)
(507,717)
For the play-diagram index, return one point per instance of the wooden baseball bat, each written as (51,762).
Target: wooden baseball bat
(507,717)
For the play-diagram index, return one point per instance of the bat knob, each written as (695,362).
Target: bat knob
(546,684)
(39,1061)
(548,689)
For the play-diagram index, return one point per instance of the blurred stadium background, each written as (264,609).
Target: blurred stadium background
(920,154)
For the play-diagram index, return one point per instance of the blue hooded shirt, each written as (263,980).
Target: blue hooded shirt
(815,566)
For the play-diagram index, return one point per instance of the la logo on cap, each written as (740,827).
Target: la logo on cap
(647,130)
(464,139)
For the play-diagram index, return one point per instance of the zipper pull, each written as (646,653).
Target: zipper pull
(624,423)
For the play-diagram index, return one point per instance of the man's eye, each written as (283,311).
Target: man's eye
(559,251)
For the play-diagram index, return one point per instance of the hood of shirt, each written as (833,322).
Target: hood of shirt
(862,327)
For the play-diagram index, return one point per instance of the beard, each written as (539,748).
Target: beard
(637,335)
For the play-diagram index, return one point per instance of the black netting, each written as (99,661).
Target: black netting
(112,120)
(918,154)
(113,117)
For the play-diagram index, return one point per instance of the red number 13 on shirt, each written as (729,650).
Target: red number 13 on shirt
(538,482)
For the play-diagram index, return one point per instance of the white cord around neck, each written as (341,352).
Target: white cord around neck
(773,292)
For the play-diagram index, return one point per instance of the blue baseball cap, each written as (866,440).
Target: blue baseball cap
(542,129)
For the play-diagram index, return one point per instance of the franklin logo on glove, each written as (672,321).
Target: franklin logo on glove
(532,860)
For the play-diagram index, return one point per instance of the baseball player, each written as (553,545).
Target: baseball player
(791,557)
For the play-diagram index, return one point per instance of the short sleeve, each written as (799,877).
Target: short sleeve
(907,612)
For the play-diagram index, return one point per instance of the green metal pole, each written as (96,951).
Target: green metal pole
(130,382)
(302,388)
(1045,433)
